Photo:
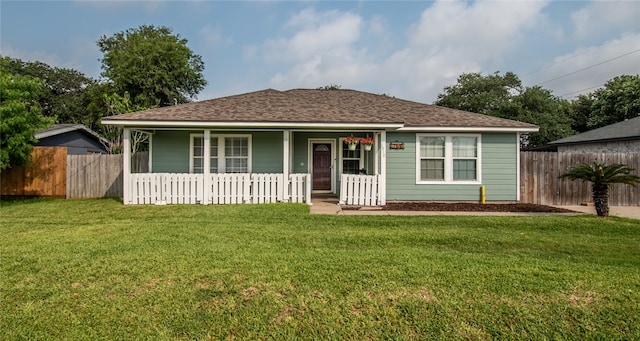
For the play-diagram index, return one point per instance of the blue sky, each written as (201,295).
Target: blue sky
(407,49)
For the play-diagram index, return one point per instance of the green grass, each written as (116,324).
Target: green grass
(96,269)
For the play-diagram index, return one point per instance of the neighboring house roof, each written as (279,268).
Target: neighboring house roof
(625,130)
(58,129)
(306,107)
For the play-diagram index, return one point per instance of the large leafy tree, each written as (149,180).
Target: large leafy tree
(64,95)
(482,94)
(539,106)
(618,100)
(505,96)
(153,65)
(20,117)
(601,177)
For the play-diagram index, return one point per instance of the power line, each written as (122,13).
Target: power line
(581,90)
(590,67)
(624,35)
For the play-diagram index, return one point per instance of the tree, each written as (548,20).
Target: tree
(601,177)
(504,96)
(152,65)
(617,101)
(20,118)
(330,87)
(538,106)
(117,105)
(64,95)
(481,94)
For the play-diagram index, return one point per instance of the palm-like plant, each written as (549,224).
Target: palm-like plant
(601,177)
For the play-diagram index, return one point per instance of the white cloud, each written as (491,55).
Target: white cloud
(450,38)
(319,33)
(599,17)
(583,70)
(212,35)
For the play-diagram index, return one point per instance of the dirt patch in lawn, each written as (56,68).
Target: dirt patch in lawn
(465,207)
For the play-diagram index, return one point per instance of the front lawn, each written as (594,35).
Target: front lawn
(96,269)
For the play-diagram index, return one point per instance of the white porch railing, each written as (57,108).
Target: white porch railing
(361,190)
(166,188)
(173,188)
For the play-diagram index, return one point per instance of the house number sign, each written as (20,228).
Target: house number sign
(397,145)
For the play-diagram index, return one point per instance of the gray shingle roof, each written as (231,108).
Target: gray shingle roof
(625,130)
(58,129)
(317,106)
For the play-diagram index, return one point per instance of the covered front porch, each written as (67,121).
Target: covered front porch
(253,167)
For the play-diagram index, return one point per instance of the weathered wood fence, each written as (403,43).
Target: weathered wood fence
(540,182)
(100,175)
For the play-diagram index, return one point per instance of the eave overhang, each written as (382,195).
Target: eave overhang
(250,125)
(471,129)
(311,125)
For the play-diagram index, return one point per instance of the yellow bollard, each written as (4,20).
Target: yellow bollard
(482,195)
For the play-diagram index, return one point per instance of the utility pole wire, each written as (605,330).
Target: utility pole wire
(624,35)
(581,90)
(589,67)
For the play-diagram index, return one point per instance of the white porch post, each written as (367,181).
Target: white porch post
(286,135)
(518,167)
(126,166)
(383,168)
(206,167)
(376,158)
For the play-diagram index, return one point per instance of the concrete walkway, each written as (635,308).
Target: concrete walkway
(329,205)
(632,212)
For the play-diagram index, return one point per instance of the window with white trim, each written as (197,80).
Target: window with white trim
(352,160)
(444,158)
(229,153)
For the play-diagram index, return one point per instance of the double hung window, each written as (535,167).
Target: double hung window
(447,158)
(228,154)
(352,160)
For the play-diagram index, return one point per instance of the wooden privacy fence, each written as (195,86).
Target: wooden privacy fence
(44,177)
(100,175)
(540,182)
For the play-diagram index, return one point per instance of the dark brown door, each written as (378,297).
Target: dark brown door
(321,167)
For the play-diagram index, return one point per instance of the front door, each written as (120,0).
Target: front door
(321,172)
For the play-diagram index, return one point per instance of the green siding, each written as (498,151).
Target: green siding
(170,150)
(499,166)
(267,152)
(498,172)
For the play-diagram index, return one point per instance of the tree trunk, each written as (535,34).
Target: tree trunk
(601,199)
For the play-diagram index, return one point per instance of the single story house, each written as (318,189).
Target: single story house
(285,146)
(77,138)
(621,137)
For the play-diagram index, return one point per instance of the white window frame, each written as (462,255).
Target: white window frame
(191,146)
(221,147)
(448,160)
(342,158)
